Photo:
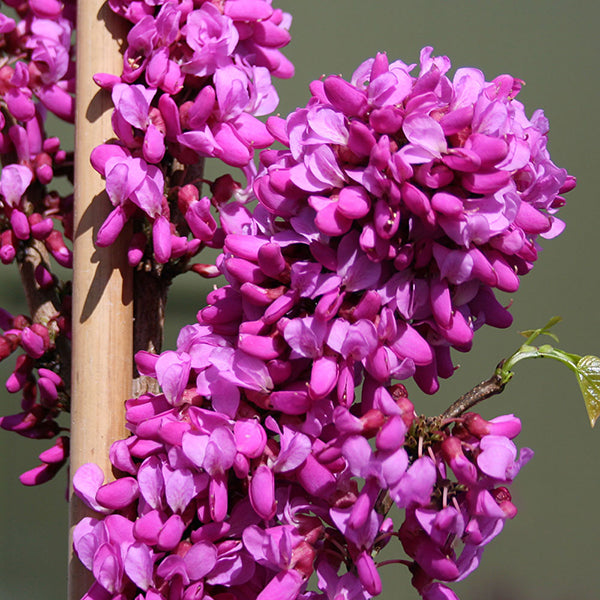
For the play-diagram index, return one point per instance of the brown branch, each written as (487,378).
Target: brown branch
(149,302)
(43,303)
(490,387)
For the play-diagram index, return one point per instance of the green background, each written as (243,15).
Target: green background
(551,549)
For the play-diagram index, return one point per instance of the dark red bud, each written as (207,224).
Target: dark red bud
(21,321)
(185,196)
(206,271)
(372,421)
(476,425)
(451,449)
(501,494)
(223,188)
(303,557)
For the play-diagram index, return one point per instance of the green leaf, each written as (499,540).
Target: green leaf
(588,376)
(531,334)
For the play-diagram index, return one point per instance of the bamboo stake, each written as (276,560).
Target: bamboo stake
(102,280)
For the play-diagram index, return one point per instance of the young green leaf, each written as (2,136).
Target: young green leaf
(588,376)
(531,334)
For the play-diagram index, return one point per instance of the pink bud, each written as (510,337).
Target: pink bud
(223,188)
(508,281)
(7,248)
(112,227)
(391,435)
(40,227)
(197,113)
(170,534)
(508,425)
(387,119)
(19,224)
(19,104)
(231,149)
(247,10)
(485,183)
(447,204)
(207,271)
(118,494)
(291,401)
(101,154)
(106,80)
(202,224)
(277,127)
(56,246)
(354,202)
(262,492)
(161,239)
(345,97)
(38,475)
(32,343)
(315,478)
(360,511)
(367,573)
(328,219)
(57,453)
(186,195)
(462,159)
(360,139)
(58,101)
(48,392)
(266,33)
(153,147)
(44,173)
(415,199)
(244,270)
(135,252)
(250,437)
(323,377)
(465,471)
(532,220)
(46,9)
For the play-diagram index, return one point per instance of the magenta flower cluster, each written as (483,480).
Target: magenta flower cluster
(195,78)
(36,77)
(427,192)
(401,201)
(280,439)
(251,506)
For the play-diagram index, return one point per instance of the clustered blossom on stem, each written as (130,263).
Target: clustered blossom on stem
(280,439)
(36,77)
(195,78)
(426,192)
(251,505)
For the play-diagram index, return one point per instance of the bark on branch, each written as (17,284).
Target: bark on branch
(490,387)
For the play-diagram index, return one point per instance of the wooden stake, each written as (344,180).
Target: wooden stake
(102,280)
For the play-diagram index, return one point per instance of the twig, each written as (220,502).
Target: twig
(43,303)
(490,387)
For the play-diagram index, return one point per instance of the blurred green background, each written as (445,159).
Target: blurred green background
(551,549)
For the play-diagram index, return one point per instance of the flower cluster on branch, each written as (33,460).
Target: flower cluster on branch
(195,78)
(280,440)
(400,201)
(36,222)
